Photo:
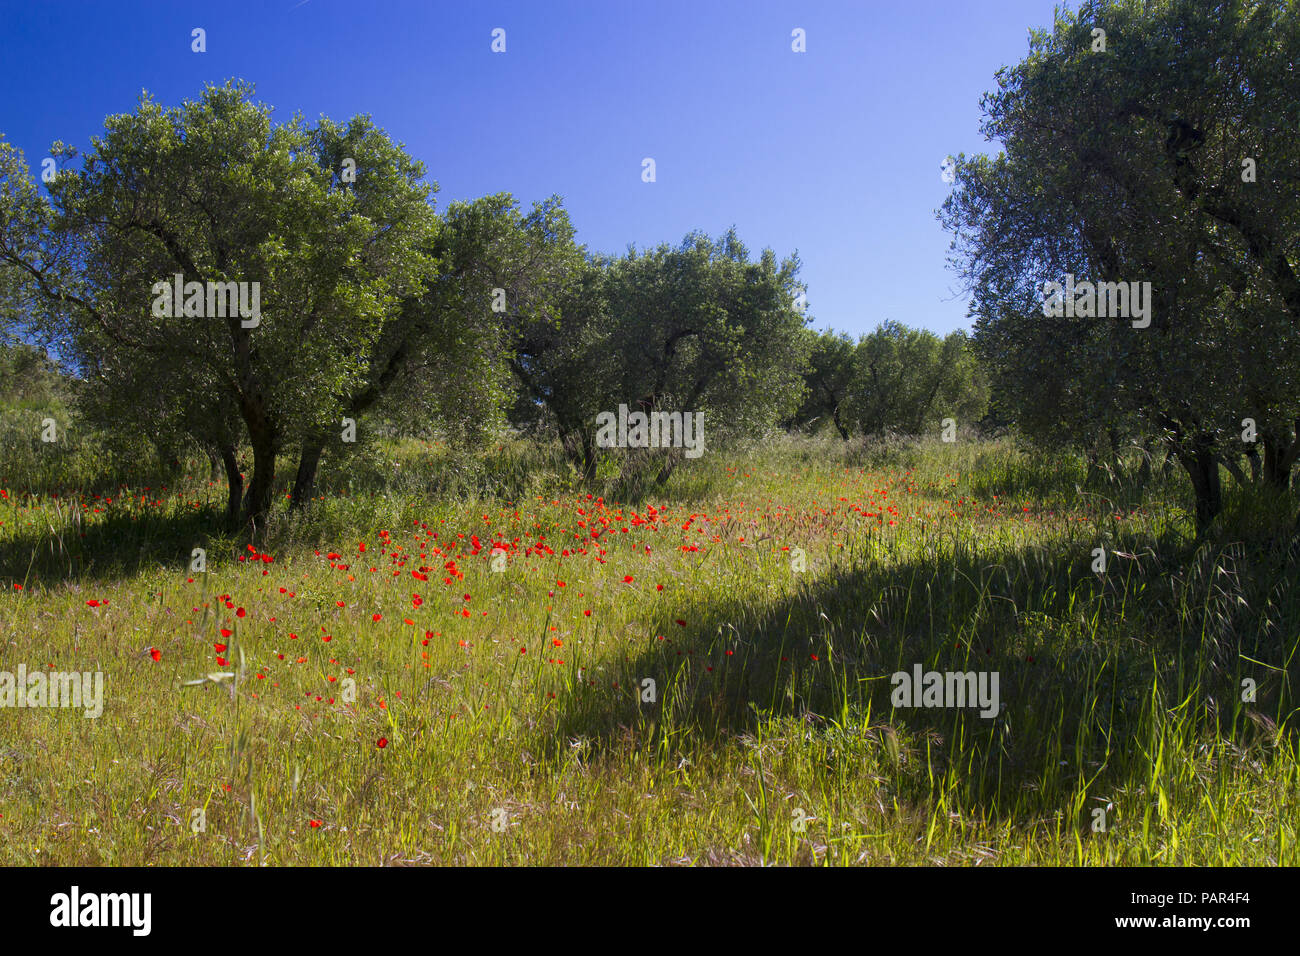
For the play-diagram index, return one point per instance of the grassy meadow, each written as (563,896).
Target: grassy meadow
(445,661)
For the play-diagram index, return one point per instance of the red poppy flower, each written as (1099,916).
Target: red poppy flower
(155,653)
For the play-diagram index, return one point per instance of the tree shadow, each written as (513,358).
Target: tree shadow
(1076,655)
(63,548)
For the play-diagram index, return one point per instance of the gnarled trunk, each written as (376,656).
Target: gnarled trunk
(235,480)
(1234,468)
(1144,470)
(588,456)
(839,425)
(1280,453)
(304,482)
(1202,467)
(257,503)
(669,466)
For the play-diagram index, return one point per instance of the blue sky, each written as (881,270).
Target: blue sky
(835,152)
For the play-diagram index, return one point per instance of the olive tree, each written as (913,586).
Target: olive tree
(287,276)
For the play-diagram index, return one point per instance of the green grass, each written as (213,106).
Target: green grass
(772,738)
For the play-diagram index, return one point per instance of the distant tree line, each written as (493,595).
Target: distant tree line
(896,380)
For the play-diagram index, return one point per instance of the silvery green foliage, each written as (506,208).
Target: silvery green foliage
(213,190)
(1126,166)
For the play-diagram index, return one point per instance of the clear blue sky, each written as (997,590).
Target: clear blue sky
(835,152)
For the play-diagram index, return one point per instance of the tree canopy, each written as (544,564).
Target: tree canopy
(1144,143)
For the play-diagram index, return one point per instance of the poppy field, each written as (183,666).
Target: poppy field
(515,666)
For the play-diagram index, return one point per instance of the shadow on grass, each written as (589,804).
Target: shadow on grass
(1077,655)
(114,547)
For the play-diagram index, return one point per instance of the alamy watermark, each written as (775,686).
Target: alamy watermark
(76,909)
(651,430)
(1119,300)
(83,689)
(212,300)
(946,689)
